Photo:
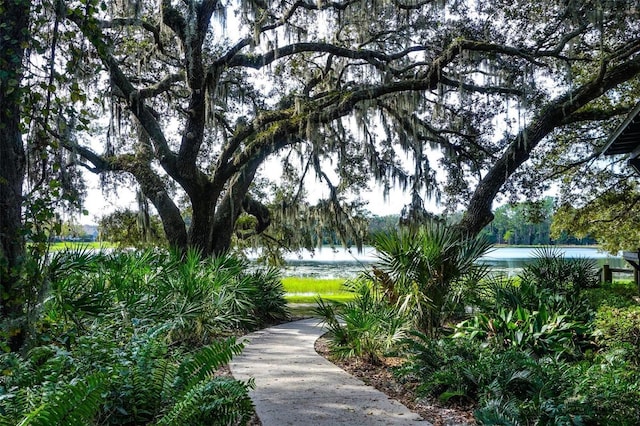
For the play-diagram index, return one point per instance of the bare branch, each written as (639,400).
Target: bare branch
(259,61)
(161,86)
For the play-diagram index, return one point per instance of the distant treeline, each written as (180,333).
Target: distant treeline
(526,223)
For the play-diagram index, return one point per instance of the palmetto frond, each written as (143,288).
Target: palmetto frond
(423,264)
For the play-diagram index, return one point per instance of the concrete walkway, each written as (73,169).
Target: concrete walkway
(296,386)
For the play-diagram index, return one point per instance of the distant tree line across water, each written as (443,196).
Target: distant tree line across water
(525,223)
(529,223)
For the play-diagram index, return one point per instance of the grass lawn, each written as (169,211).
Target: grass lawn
(95,245)
(307,289)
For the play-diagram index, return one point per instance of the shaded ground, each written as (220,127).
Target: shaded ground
(382,378)
(297,386)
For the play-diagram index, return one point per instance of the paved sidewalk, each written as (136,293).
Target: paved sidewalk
(296,386)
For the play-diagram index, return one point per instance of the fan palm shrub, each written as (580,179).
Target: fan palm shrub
(551,269)
(209,297)
(558,283)
(199,298)
(270,305)
(367,326)
(204,298)
(426,269)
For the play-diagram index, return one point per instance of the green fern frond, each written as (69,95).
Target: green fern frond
(202,364)
(75,404)
(163,377)
(220,401)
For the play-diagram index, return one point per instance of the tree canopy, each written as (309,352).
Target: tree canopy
(612,219)
(484,98)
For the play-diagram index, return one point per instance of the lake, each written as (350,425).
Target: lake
(340,263)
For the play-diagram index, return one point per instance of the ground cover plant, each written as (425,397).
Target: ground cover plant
(538,352)
(551,346)
(137,337)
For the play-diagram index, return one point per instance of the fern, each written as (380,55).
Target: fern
(162,379)
(75,404)
(219,401)
(201,397)
(498,412)
(206,361)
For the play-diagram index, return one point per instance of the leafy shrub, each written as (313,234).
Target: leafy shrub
(425,271)
(533,293)
(521,356)
(619,329)
(541,331)
(435,364)
(499,293)
(616,295)
(605,392)
(366,326)
(517,390)
(134,382)
(470,372)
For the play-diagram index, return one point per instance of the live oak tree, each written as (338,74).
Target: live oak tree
(201,94)
(36,174)
(192,98)
(13,38)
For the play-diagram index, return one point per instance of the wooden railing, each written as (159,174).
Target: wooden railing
(606,273)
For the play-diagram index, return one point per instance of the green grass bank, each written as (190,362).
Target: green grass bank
(307,289)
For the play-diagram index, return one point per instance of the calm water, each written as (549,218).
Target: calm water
(339,263)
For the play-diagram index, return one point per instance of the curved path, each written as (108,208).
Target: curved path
(296,386)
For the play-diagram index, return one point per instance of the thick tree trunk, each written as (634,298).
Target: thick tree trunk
(172,222)
(235,201)
(13,36)
(200,231)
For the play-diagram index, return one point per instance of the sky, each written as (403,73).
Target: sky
(99,204)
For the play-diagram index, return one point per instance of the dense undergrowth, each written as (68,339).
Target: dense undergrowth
(136,338)
(551,346)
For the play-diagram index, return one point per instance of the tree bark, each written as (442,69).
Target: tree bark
(13,37)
